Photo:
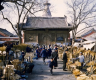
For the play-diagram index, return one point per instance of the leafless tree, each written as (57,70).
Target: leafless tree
(23,8)
(82,11)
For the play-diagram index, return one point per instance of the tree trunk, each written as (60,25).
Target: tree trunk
(20,40)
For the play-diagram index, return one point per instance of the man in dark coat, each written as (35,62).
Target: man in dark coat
(22,54)
(51,65)
(49,52)
(8,48)
(28,49)
(11,45)
(55,56)
(37,53)
(64,60)
(43,53)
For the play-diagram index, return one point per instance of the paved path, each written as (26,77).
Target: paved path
(42,72)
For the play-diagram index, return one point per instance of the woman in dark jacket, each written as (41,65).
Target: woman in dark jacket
(44,54)
(55,56)
(64,60)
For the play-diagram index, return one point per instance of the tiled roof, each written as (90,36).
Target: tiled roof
(6,32)
(46,22)
(85,32)
(1,36)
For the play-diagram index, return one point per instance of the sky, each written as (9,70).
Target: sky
(58,9)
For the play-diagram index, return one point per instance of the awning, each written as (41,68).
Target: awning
(76,44)
(89,46)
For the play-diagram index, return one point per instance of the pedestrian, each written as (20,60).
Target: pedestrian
(8,48)
(22,55)
(11,45)
(56,47)
(37,53)
(43,53)
(51,65)
(28,49)
(55,56)
(49,52)
(46,53)
(40,49)
(81,59)
(64,60)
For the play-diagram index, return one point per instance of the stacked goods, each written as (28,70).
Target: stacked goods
(15,62)
(10,66)
(77,72)
(89,59)
(15,77)
(93,76)
(76,52)
(89,69)
(84,77)
(91,63)
(71,65)
(2,48)
(68,64)
(60,53)
(29,55)
(9,73)
(92,54)
(86,53)
(77,63)
(69,55)
(2,53)
(92,67)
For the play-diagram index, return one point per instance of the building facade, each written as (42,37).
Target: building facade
(46,30)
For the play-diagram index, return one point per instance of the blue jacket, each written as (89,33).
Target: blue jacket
(28,49)
(43,53)
(49,52)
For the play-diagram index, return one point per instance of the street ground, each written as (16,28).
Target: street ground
(41,71)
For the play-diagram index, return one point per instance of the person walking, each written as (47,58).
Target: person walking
(28,49)
(22,55)
(51,65)
(46,53)
(55,56)
(40,49)
(64,60)
(49,52)
(8,48)
(43,53)
(37,53)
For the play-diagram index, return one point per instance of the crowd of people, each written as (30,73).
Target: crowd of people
(53,55)
(50,53)
(44,53)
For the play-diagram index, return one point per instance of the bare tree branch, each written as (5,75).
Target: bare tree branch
(9,22)
(23,7)
(81,13)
